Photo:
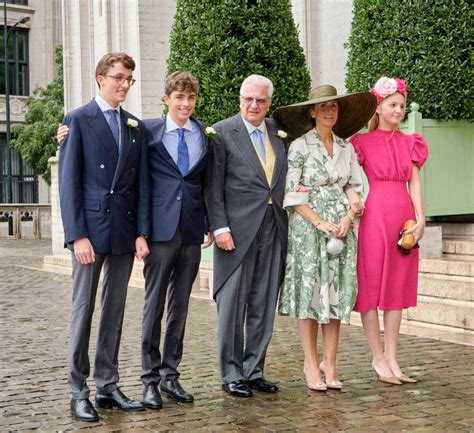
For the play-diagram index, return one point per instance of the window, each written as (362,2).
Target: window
(23,180)
(18,2)
(18,77)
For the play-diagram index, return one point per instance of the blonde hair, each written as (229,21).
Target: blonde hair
(374,121)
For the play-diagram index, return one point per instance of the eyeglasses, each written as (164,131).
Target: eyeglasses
(258,101)
(119,79)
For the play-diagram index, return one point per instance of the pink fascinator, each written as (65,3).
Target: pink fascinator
(388,86)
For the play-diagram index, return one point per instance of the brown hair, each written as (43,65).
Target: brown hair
(181,80)
(108,60)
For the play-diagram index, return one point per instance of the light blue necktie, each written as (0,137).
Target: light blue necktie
(183,154)
(258,141)
(114,126)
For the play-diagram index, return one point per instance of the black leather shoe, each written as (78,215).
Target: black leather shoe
(152,397)
(262,385)
(83,410)
(172,388)
(237,389)
(116,399)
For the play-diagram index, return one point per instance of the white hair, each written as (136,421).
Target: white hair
(260,81)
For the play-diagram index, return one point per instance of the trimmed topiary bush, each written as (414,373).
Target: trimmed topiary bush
(426,42)
(222,42)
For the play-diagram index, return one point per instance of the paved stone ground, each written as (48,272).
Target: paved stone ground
(35,308)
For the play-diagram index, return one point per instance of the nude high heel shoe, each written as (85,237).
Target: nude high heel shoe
(314,386)
(406,379)
(331,384)
(387,379)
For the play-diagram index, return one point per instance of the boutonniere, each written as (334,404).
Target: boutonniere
(132,125)
(210,132)
(282,134)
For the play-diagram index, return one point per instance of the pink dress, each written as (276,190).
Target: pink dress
(387,279)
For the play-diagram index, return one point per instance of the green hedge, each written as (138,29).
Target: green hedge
(426,42)
(223,41)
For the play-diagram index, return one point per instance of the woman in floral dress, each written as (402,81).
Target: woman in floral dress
(319,286)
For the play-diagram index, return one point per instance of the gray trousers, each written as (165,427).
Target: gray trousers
(170,269)
(117,270)
(246,306)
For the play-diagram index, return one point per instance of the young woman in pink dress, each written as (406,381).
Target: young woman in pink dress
(388,277)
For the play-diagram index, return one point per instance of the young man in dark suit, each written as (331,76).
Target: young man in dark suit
(103,177)
(177,154)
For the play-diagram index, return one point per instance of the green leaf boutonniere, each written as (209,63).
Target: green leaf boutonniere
(210,132)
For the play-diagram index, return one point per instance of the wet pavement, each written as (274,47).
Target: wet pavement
(34,313)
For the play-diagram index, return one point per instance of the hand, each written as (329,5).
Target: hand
(418,230)
(299,187)
(141,248)
(62,132)
(225,241)
(83,251)
(328,227)
(355,201)
(210,240)
(344,227)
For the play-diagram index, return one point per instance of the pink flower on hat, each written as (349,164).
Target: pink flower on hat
(388,86)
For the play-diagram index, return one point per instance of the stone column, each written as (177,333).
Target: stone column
(57,232)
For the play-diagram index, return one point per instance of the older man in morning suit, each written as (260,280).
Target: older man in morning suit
(103,175)
(244,192)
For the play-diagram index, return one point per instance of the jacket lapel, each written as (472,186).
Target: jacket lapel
(205,144)
(99,125)
(127,141)
(244,144)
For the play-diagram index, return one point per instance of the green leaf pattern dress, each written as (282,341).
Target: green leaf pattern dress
(318,285)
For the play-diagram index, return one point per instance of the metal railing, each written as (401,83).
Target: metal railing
(18,215)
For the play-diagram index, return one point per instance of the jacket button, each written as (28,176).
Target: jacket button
(111,191)
(102,166)
(129,212)
(178,198)
(108,210)
(128,191)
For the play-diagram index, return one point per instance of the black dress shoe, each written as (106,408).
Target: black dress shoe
(237,389)
(152,397)
(262,385)
(83,410)
(172,388)
(116,399)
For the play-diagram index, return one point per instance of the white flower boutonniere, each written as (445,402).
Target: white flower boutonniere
(282,134)
(210,132)
(132,123)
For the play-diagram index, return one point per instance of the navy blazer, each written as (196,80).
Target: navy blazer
(176,200)
(103,195)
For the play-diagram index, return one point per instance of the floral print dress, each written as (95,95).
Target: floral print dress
(319,285)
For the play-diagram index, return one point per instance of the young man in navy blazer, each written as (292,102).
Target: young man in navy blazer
(177,154)
(103,177)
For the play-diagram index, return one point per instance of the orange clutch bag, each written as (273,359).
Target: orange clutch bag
(407,240)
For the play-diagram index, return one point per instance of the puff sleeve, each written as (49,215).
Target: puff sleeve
(419,153)
(297,157)
(355,141)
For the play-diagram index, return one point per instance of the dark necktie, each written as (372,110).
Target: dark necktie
(114,126)
(183,154)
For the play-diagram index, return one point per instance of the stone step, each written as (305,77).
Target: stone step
(445,312)
(458,245)
(457,229)
(449,264)
(439,286)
